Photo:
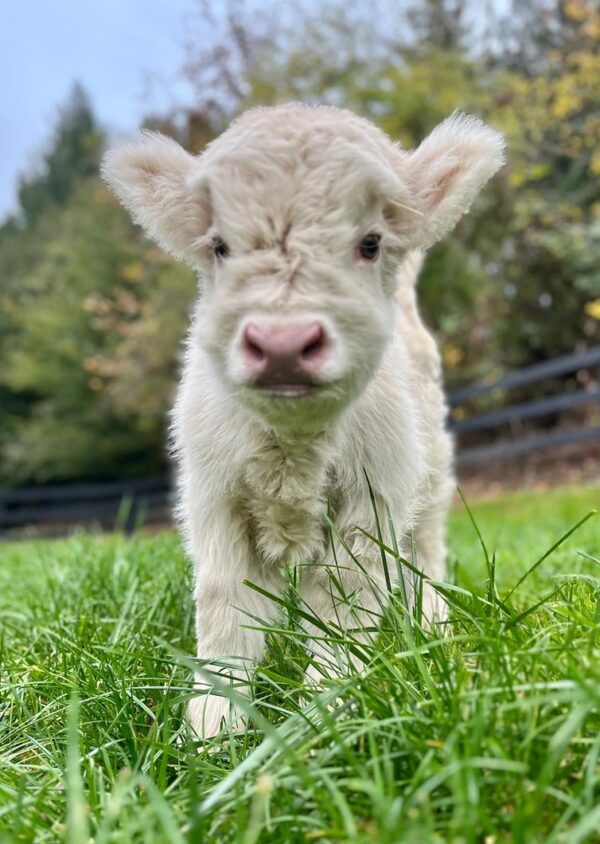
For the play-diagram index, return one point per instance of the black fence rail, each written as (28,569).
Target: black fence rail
(125,504)
(118,504)
(464,423)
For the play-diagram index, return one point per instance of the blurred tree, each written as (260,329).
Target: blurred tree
(73,154)
(521,36)
(90,322)
(549,263)
(440,24)
(95,348)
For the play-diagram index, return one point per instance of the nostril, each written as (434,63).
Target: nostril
(254,351)
(311,350)
(252,345)
(315,345)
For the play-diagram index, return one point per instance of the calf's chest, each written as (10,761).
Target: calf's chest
(284,498)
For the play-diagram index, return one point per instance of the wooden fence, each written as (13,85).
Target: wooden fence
(521,443)
(124,504)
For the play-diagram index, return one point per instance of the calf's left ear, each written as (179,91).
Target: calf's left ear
(162,187)
(444,175)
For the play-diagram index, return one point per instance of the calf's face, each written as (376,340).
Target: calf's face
(296,219)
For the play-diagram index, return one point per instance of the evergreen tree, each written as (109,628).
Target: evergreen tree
(73,154)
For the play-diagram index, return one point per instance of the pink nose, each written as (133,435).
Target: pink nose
(284,355)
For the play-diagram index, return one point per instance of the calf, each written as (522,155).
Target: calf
(307,369)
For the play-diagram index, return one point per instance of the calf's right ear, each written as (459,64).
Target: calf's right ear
(163,188)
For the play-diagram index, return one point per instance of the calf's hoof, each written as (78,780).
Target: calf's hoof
(208,714)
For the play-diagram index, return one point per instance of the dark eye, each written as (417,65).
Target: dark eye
(220,248)
(368,248)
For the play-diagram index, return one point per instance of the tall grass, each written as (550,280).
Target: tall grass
(485,728)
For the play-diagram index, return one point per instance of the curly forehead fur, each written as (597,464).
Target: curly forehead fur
(298,167)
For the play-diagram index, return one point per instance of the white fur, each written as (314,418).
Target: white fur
(292,191)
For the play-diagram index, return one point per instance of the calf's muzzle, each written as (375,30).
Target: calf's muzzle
(284,357)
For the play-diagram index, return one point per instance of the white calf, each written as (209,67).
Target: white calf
(307,367)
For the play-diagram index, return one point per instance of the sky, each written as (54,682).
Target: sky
(113,47)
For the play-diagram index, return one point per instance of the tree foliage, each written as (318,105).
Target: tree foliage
(72,155)
(91,321)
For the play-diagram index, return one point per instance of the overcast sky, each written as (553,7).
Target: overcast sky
(111,46)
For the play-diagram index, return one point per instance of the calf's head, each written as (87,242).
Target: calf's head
(296,219)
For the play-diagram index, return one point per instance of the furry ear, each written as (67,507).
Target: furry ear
(162,187)
(445,174)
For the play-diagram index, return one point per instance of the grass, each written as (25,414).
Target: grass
(489,733)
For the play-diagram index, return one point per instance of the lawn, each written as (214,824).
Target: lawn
(488,733)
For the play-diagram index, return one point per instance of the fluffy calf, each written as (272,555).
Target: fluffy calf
(307,367)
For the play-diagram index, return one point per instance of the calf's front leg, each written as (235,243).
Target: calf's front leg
(226,610)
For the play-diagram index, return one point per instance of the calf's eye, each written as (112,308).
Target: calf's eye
(220,248)
(368,248)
